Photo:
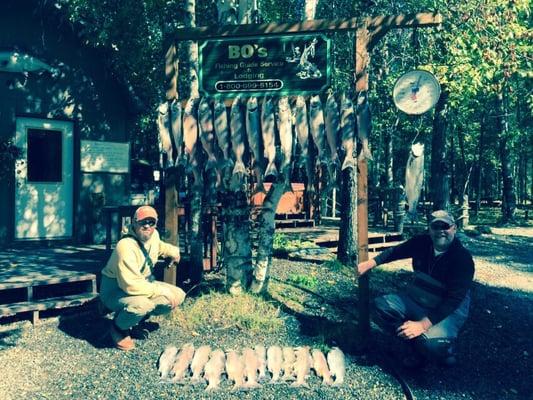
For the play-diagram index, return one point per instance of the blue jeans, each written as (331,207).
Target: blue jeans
(394,309)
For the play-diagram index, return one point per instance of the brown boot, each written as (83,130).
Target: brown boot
(121,339)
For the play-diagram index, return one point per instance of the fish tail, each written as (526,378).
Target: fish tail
(239,169)
(271,169)
(259,188)
(365,153)
(349,162)
(211,163)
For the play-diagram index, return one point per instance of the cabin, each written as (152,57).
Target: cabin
(70,118)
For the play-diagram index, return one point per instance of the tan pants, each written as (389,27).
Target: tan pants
(130,310)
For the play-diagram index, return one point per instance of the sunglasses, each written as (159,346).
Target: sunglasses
(147,221)
(440,226)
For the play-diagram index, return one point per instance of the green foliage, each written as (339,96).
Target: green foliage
(482,48)
(8,154)
(306,281)
(283,245)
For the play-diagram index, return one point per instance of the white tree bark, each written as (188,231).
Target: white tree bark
(267,222)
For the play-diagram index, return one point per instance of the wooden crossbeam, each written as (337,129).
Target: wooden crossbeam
(316,26)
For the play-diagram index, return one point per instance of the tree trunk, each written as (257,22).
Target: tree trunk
(266,228)
(440,171)
(508,198)
(479,176)
(195,234)
(237,246)
(265,235)
(191,52)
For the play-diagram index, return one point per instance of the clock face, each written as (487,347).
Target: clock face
(416,92)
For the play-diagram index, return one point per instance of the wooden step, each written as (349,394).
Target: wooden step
(34,289)
(295,223)
(76,300)
(46,304)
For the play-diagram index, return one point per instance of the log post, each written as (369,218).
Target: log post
(170,176)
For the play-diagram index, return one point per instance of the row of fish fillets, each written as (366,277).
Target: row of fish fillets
(262,135)
(247,368)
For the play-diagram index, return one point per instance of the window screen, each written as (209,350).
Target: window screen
(44,155)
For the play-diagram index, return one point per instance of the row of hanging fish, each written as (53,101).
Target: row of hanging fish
(263,135)
(247,368)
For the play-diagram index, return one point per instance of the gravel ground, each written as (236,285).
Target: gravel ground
(68,357)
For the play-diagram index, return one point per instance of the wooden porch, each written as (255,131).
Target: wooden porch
(35,279)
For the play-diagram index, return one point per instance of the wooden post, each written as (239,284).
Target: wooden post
(362,61)
(170,178)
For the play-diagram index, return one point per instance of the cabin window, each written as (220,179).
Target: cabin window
(44,155)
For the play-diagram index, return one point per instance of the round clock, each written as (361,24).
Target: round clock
(416,92)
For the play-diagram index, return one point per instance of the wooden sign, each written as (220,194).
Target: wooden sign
(291,64)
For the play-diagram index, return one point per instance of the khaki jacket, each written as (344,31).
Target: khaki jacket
(127,264)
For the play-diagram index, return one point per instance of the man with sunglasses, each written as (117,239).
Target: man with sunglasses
(429,313)
(128,287)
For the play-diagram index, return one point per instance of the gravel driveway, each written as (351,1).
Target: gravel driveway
(68,357)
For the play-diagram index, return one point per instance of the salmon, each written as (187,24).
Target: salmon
(364,124)
(214,369)
(166,361)
(163,127)
(238,144)
(274,362)
(414,177)
(288,363)
(337,365)
(260,351)
(253,130)
(251,366)
(348,132)
(302,366)
(268,130)
(183,360)
(177,132)
(235,369)
(207,132)
(332,126)
(201,356)
(320,365)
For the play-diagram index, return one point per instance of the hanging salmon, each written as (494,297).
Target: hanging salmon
(207,133)
(316,127)
(253,131)
(301,125)
(177,132)
(268,131)
(285,137)
(414,177)
(238,143)
(190,141)
(332,127)
(348,132)
(222,132)
(163,127)
(364,124)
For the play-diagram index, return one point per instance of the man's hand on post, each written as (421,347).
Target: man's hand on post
(413,329)
(173,262)
(365,266)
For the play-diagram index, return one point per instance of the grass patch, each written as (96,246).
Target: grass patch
(306,281)
(224,311)
(335,265)
(289,296)
(282,245)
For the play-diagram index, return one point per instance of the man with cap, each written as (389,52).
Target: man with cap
(429,313)
(128,287)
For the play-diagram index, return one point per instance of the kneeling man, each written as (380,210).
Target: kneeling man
(128,287)
(430,312)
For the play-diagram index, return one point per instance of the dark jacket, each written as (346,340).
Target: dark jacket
(454,269)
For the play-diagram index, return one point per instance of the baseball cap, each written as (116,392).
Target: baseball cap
(443,216)
(144,212)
